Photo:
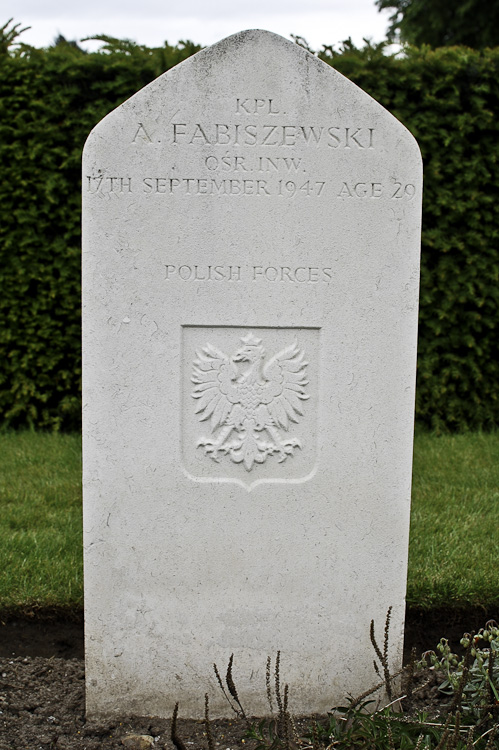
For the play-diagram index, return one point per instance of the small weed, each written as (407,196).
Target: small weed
(276,731)
(474,686)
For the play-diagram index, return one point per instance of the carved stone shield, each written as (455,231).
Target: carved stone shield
(250,403)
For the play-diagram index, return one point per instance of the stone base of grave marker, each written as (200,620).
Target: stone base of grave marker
(250,286)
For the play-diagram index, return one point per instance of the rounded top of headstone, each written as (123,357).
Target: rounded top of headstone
(257,64)
(255,36)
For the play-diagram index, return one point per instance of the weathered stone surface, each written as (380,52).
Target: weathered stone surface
(250,275)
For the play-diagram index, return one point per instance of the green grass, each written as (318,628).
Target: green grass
(454,539)
(454,549)
(40,520)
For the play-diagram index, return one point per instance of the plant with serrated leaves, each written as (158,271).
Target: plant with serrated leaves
(474,685)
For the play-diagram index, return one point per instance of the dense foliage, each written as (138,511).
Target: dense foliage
(49,101)
(474,23)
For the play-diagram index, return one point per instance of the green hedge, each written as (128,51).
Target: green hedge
(50,100)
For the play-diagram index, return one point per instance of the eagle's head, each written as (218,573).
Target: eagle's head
(252,351)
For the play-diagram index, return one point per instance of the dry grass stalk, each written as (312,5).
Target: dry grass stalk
(231,686)
(383,657)
(221,686)
(176,739)
(267,684)
(209,736)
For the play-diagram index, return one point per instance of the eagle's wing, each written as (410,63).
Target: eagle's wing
(213,376)
(285,390)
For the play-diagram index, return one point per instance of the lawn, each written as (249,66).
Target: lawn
(454,539)
(454,548)
(40,519)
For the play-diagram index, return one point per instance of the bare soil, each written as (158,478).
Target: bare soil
(42,685)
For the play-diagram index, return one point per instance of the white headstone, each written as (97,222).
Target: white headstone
(250,271)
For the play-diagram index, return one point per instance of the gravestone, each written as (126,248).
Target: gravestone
(250,288)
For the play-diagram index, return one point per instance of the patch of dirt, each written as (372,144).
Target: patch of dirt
(42,686)
(29,635)
(42,706)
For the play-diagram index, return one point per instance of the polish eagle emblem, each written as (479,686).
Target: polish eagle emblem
(249,402)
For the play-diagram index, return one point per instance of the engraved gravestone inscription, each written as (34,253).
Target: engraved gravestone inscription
(251,227)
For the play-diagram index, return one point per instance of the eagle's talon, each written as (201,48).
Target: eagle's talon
(210,448)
